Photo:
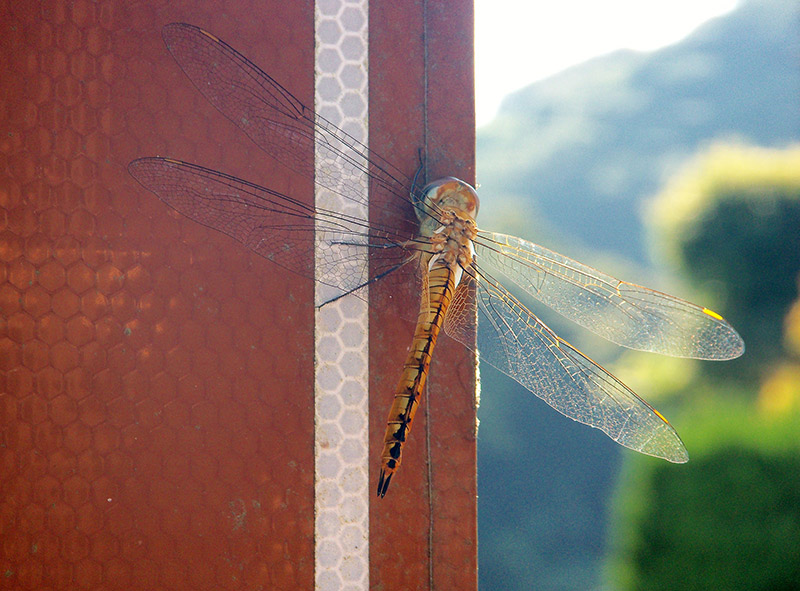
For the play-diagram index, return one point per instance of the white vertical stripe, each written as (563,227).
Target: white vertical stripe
(341,527)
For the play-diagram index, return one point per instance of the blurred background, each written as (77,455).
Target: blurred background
(675,166)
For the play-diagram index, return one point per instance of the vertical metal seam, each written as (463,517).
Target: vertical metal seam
(428,401)
(425,89)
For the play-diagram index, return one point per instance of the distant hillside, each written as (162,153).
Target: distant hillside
(567,163)
(586,146)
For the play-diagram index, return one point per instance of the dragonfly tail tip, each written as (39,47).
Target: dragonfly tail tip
(383,483)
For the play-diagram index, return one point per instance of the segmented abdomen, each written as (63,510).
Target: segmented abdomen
(441,285)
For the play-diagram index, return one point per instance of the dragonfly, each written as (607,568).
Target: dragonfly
(462,270)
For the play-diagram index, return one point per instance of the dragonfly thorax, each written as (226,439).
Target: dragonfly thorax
(451,244)
(448,220)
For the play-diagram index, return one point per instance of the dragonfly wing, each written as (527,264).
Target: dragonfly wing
(275,226)
(624,313)
(281,125)
(461,320)
(517,343)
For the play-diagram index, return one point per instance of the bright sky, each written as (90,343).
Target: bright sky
(520,41)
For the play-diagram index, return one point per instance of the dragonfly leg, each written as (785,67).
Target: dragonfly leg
(370,281)
(416,196)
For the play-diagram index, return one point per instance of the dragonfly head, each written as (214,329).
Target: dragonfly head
(448,193)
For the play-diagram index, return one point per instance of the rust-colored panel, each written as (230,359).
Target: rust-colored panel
(399,548)
(156,424)
(423,534)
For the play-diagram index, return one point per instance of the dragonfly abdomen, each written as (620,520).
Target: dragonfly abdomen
(408,393)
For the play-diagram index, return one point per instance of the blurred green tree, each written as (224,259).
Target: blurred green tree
(730,519)
(731,226)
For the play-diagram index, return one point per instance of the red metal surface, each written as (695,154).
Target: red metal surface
(423,534)
(157,425)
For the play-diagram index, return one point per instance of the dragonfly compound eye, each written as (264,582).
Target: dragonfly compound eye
(450,193)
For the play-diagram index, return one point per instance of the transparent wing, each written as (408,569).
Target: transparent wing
(277,227)
(461,321)
(516,342)
(281,125)
(624,313)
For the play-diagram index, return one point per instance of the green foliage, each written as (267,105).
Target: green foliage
(731,225)
(792,337)
(729,519)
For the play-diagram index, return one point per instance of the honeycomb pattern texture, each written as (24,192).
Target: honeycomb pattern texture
(342,385)
(156,406)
